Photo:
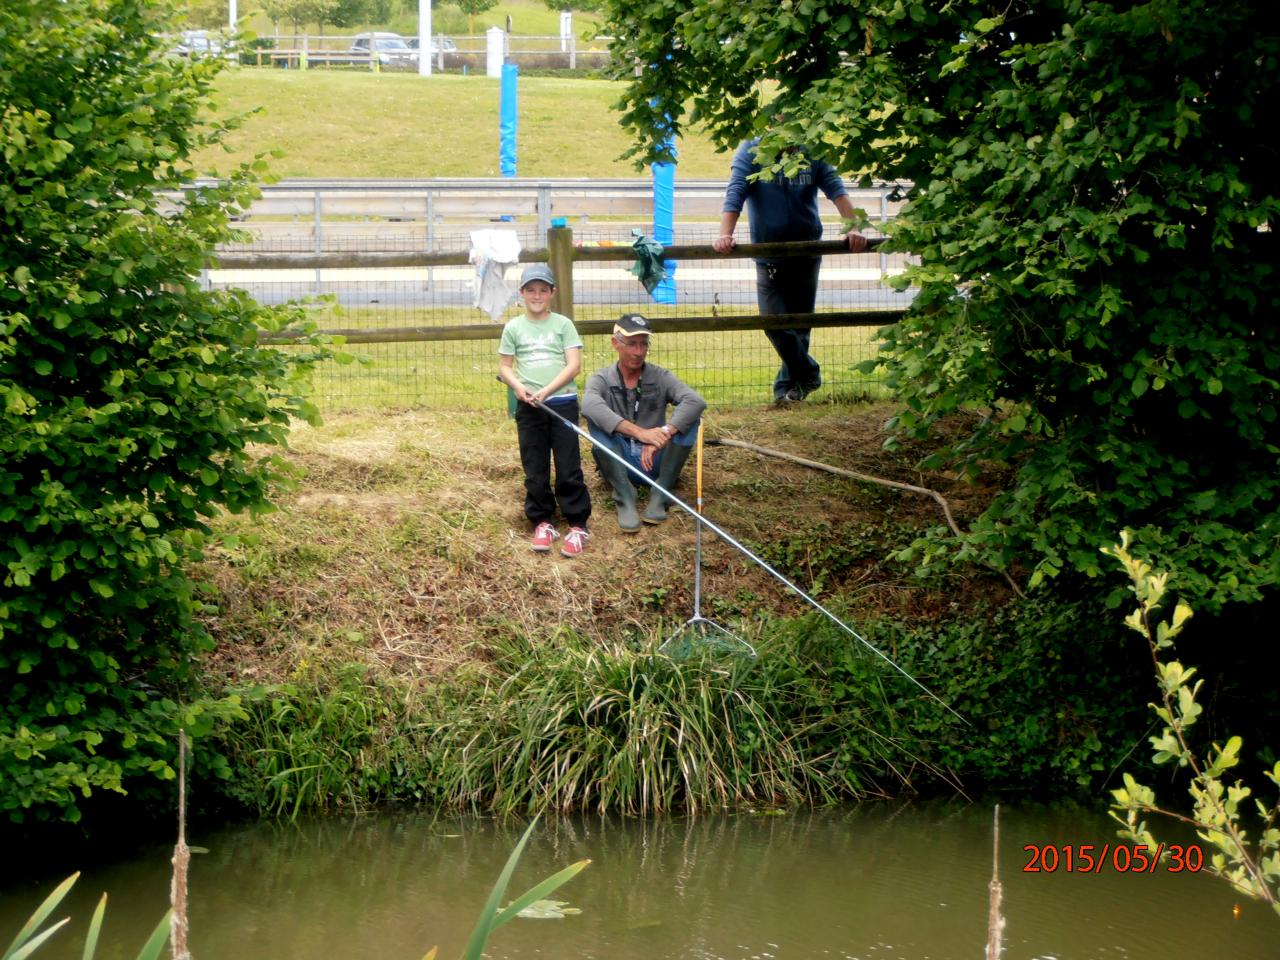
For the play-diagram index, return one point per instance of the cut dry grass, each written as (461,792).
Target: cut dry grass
(405,548)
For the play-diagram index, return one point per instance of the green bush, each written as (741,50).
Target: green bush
(135,404)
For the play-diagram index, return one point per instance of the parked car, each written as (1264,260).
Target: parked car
(437,44)
(198,43)
(390,48)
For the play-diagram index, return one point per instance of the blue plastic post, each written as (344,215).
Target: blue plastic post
(508,114)
(664,218)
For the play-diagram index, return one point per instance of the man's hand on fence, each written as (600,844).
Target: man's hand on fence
(857,242)
(723,243)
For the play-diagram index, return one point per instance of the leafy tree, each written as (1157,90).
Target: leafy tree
(473,8)
(586,5)
(1091,190)
(210,14)
(134,404)
(347,13)
(299,12)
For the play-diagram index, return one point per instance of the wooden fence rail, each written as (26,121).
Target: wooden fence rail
(561,254)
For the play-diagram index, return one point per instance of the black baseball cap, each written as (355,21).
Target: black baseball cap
(631,324)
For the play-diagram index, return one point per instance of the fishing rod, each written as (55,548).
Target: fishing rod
(645,478)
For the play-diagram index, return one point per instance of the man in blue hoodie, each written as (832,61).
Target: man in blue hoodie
(780,209)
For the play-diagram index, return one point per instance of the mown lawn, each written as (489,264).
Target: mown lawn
(353,123)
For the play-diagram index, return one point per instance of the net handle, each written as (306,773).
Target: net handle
(699,464)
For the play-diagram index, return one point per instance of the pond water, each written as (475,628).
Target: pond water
(872,882)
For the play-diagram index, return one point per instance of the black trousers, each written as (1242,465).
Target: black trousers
(790,286)
(543,438)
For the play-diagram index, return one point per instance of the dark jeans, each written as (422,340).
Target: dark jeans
(543,437)
(790,286)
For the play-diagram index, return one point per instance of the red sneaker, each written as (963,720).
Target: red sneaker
(543,536)
(574,541)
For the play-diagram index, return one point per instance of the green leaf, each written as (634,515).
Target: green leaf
(152,949)
(47,906)
(537,892)
(95,928)
(488,913)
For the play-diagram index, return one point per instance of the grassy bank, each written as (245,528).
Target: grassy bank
(416,649)
(408,126)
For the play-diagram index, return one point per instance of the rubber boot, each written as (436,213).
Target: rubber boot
(673,459)
(624,493)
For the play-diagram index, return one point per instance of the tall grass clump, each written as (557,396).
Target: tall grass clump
(325,742)
(569,724)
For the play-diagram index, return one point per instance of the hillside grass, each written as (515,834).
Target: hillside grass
(355,123)
(405,548)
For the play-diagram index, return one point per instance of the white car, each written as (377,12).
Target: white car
(390,48)
(438,43)
(198,43)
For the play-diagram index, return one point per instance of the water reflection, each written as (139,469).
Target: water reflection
(871,882)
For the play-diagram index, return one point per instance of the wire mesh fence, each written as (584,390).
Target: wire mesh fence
(729,367)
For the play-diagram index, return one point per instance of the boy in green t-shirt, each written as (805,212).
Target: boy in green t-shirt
(538,357)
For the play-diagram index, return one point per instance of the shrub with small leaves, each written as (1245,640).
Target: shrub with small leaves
(135,404)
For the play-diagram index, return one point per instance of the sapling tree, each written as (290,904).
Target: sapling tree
(1219,811)
(1091,189)
(134,403)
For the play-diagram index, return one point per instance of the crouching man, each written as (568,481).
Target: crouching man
(625,406)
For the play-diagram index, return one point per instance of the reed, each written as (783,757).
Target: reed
(492,916)
(30,938)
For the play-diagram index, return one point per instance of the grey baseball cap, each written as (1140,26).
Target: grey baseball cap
(537,271)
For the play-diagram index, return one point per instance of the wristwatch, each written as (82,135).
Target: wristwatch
(666,428)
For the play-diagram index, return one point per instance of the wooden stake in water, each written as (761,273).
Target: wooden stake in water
(181,860)
(995,920)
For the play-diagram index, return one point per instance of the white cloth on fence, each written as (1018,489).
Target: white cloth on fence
(493,251)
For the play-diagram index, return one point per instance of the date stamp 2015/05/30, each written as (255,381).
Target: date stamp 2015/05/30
(1118,858)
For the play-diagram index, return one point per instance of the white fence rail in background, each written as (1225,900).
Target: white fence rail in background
(319,51)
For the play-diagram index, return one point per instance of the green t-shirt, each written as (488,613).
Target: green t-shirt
(539,348)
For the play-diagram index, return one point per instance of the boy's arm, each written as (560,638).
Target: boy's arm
(507,374)
(572,364)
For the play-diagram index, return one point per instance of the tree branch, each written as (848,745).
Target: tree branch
(865,478)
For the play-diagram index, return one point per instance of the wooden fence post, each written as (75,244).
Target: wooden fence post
(560,259)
